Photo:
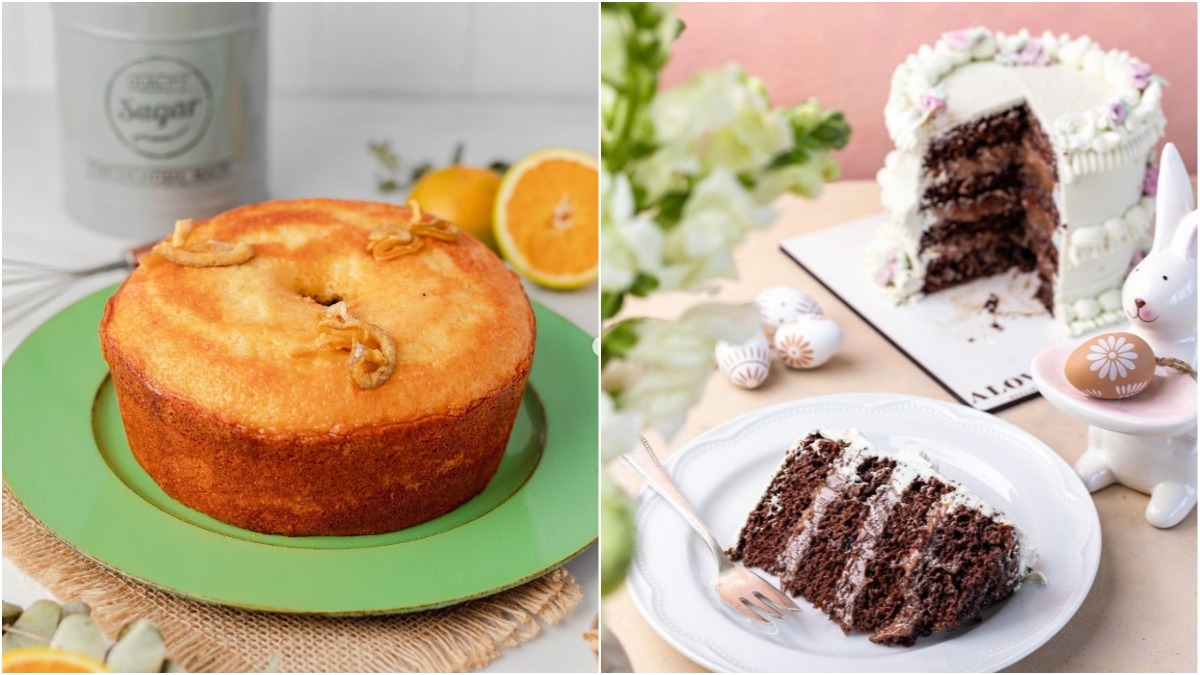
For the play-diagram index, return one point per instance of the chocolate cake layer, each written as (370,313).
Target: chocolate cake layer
(881,544)
(968,563)
(968,140)
(993,175)
(967,184)
(825,538)
(999,201)
(766,532)
(946,231)
(972,256)
(987,160)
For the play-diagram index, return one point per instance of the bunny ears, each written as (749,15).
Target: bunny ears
(1175,222)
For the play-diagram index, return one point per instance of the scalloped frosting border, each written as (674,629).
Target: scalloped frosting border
(1087,314)
(1095,140)
(1093,241)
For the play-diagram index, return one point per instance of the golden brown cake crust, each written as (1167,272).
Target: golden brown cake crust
(228,410)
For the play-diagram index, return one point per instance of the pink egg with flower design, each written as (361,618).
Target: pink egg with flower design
(1111,366)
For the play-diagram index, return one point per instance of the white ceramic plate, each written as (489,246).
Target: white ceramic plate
(724,471)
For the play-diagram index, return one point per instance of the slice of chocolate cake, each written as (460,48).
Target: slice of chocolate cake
(880,541)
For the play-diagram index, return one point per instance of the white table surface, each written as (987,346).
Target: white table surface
(317,147)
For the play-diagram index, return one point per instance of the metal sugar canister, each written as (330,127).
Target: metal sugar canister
(163,109)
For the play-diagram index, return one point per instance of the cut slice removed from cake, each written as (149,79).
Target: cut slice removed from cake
(880,541)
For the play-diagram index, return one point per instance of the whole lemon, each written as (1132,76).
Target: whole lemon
(463,195)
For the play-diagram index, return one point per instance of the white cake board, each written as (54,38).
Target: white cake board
(982,358)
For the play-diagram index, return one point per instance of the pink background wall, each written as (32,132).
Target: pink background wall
(844,54)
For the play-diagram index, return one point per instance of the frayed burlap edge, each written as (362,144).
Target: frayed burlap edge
(223,639)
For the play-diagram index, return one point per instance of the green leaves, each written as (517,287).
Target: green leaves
(636,41)
(611,301)
(618,340)
(392,174)
(616,522)
(816,131)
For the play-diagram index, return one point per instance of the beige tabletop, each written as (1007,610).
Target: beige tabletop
(1141,612)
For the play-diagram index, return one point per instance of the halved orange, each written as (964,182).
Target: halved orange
(49,660)
(547,218)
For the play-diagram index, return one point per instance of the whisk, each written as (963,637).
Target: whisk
(37,282)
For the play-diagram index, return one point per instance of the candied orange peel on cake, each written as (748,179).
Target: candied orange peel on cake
(372,351)
(393,240)
(210,253)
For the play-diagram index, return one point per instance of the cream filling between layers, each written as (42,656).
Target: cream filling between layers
(912,464)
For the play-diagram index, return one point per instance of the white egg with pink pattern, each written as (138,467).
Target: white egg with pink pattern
(746,365)
(808,341)
(780,304)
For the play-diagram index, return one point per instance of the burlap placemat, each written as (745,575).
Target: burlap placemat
(222,639)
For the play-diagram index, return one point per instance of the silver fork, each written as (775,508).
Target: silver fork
(742,590)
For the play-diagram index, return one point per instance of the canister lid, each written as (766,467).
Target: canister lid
(150,21)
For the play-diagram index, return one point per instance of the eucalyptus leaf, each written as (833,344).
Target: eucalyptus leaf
(76,607)
(78,633)
(11,612)
(140,649)
(35,625)
(170,666)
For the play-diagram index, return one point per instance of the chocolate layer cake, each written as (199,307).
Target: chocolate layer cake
(1019,151)
(880,541)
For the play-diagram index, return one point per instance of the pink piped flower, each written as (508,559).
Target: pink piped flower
(963,40)
(931,102)
(1030,53)
(1150,182)
(1118,111)
(886,273)
(1139,74)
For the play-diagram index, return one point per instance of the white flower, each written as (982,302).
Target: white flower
(618,429)
(608,99)
(629,243)
(613,36)
(749,142)
(674,360)
(1113,356)
(716,217)
(665,170)
(706,101)
(807,179)
(725,117)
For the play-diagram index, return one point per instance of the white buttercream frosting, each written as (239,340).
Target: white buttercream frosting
(1102,111)
(1120,128)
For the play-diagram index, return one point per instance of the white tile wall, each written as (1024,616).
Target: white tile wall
(445,50)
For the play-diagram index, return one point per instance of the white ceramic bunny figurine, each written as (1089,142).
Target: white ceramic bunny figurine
(1160,300)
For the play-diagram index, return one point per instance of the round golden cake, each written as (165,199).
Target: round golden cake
(262,391)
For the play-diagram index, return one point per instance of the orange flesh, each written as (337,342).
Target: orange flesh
(531,217)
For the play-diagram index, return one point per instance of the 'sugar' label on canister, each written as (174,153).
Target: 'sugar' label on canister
(159,106)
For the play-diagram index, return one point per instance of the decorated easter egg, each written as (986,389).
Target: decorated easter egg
(745,365)
(1111,366)
(808,341)
(779,304)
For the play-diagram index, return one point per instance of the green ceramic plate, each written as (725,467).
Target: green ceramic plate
(67,460)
